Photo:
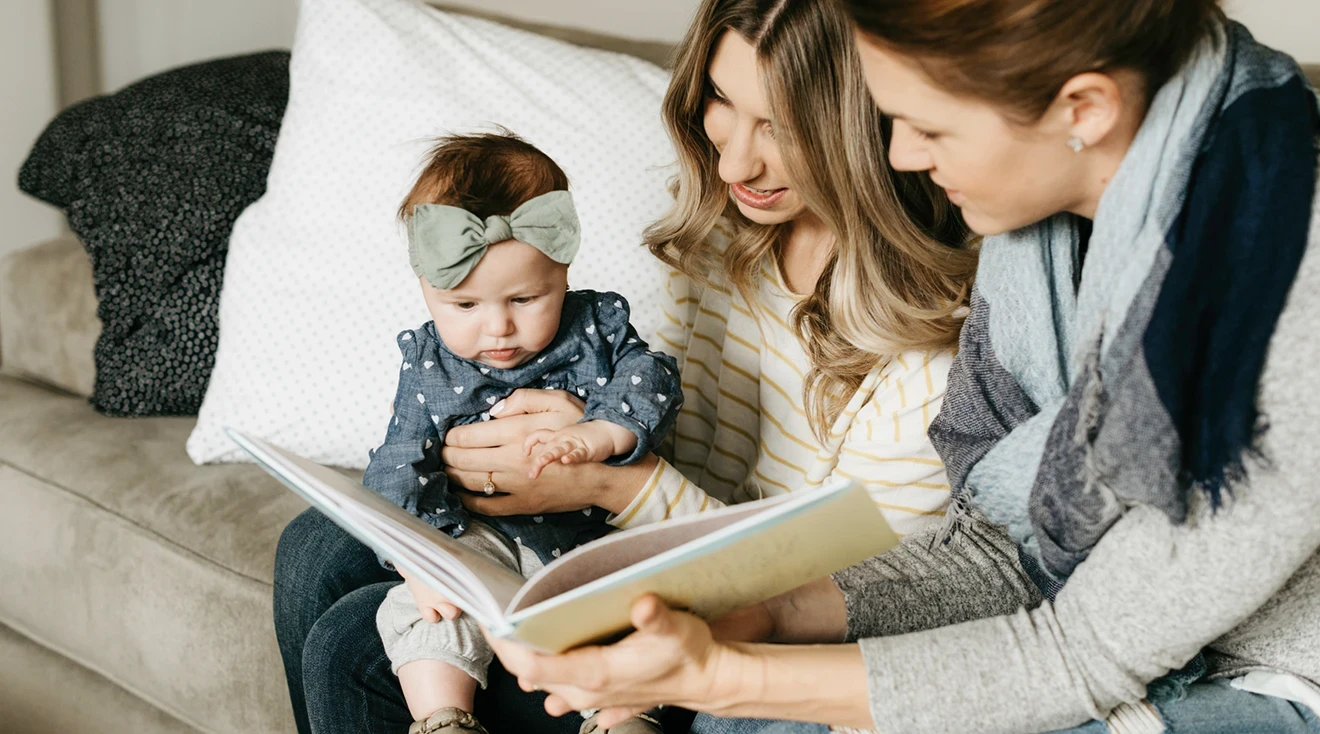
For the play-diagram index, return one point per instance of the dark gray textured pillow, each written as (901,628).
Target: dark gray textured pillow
(152,178)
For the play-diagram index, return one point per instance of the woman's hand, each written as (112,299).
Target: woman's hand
(672,658)
(494,449)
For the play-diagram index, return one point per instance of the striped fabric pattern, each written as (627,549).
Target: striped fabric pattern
(743,433)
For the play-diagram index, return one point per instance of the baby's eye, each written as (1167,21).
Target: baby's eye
(465,305)
(524,300)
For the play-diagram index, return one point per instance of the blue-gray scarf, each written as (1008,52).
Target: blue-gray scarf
(1069,403)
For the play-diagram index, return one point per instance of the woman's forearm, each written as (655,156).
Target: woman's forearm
(617,486)
(814,613)
(664,492)
(819,683)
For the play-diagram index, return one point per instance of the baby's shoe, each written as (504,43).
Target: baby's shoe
(448,721)
(639,724)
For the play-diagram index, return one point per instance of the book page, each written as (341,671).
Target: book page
(479,585)
(623,549)
(761,555)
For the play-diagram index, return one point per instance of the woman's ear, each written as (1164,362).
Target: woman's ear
(1090,106)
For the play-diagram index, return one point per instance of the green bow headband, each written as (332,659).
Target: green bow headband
(445,242)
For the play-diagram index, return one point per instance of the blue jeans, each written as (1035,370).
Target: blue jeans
(328,587)
(707,724)
(1218,708)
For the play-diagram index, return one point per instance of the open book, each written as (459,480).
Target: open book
(710,564)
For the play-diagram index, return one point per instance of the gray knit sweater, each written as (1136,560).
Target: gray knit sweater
(956,639)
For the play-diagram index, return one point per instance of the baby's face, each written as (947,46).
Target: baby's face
(506,310)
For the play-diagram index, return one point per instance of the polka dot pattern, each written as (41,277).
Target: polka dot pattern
(152,179)
(318,282)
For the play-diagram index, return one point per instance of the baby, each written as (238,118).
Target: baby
(491,233)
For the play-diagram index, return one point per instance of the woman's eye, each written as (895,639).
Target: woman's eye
(925,135)
(770,128)
(716,97)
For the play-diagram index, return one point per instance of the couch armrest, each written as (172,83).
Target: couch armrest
(48,322)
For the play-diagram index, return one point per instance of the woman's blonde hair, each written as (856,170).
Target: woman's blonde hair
(902,265)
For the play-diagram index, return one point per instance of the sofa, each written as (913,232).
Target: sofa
(136,585)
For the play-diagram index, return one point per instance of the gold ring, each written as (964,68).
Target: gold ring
(489,486)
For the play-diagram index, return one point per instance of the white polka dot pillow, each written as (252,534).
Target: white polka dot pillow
(317,282)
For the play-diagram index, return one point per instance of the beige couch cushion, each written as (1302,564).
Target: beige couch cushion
(48,323)
(119,553)
(1313,72)
(30,673)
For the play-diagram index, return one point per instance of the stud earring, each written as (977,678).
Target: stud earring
(1076,144)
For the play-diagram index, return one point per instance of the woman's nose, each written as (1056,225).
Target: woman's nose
(740,160)
(906,152)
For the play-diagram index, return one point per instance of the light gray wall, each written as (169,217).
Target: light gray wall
(27,102)
(140,37)
(1292,26)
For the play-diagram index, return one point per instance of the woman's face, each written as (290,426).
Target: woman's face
(738,123)
(1002,175)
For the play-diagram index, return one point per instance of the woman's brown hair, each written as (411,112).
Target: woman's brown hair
(1018,54)
(901,267)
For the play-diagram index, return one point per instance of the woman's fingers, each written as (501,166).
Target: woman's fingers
(513,656)
(581,667)
(479,459)
(493,506)
(527,402)
(611,717)
(653,665)
(649,614)
(557,705)
(492,434)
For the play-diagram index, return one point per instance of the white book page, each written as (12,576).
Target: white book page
(796,539)
(424,554)
(479,585)
(622,550)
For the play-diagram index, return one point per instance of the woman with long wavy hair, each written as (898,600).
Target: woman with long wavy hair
(816,302)
(816,295)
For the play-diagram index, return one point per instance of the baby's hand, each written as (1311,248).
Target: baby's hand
(582,443)
(431,604)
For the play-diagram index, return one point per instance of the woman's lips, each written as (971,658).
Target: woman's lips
(955,197)
(757,199)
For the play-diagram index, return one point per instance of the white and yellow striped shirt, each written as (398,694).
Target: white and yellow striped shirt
(743,432)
